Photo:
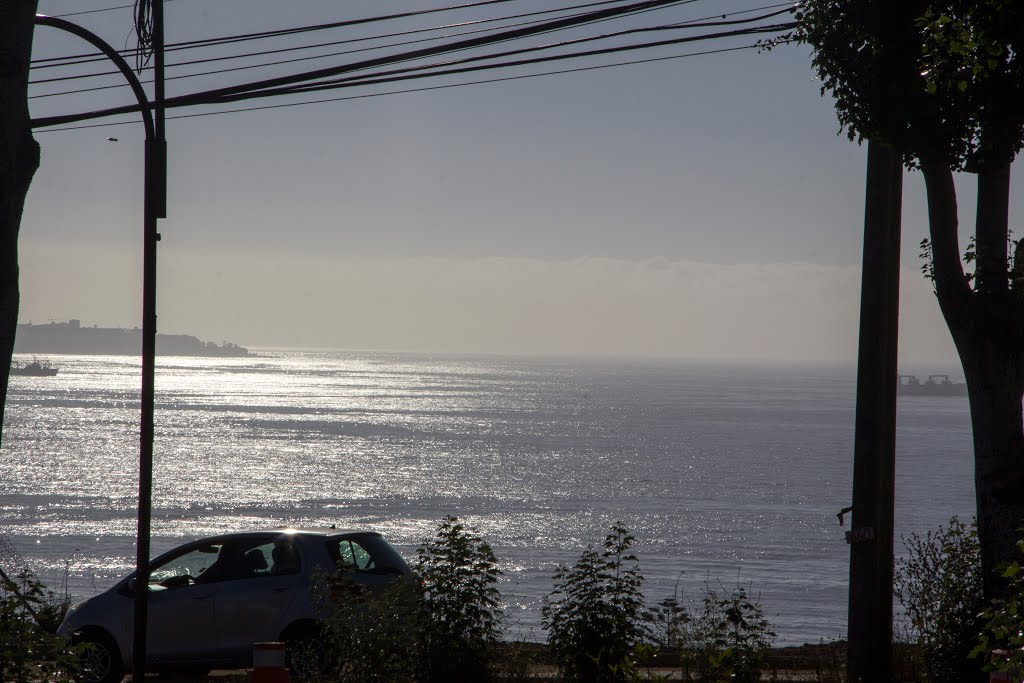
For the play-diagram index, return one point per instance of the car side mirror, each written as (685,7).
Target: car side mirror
(132,585)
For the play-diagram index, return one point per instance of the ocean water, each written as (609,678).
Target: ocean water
(730,473)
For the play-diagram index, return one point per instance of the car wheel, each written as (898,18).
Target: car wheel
(99,660)
(306,654)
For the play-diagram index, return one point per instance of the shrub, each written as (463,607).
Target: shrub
(594,615)
(30,650)
(374,636)
(670,621)
(1002,629)
(463,605)
(441,623)
(939,585)
(728,636)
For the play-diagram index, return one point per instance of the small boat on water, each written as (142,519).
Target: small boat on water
(935,385)
(34,369)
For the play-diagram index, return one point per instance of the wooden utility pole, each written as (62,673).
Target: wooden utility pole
(869,650)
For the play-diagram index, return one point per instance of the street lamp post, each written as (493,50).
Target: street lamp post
(154,207)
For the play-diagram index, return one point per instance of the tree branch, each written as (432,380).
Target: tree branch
(951,284)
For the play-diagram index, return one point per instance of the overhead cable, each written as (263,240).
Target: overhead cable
(690,24)
(65,15)
(370,79)
(318,74)
(54,62)
(586,39)
(39,65)
(222,40)
(446,86)
(403,74)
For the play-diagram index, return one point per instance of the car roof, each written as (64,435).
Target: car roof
(304,531)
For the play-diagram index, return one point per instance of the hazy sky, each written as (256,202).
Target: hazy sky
(697,207)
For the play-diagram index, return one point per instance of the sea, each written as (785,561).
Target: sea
(727,474)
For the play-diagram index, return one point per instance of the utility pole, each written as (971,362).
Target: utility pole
(155,206)
(871,538)
(869,648)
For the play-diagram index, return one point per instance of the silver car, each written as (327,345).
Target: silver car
(211,599)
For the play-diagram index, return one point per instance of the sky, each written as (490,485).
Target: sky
(701,207)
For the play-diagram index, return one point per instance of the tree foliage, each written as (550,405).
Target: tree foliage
(940,79)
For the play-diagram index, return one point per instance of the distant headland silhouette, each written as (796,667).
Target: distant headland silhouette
(71,337)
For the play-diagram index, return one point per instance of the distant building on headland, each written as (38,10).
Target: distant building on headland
(71,337)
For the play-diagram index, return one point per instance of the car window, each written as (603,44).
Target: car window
(365,552)
(239,559)
(350,555)
(284,557)
(184,569)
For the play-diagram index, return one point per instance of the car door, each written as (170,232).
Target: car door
(180,611)
(251,607)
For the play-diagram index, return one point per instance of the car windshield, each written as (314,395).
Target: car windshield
(183,569)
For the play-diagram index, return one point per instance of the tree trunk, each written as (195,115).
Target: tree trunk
(986,327)
(994,386)
(995,383)
(19,159)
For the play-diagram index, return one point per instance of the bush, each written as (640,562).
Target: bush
(441,623)
(463,605)
(939,585)
(1002,629)
(30,650)
(594,615)
(374,636)
(727,635)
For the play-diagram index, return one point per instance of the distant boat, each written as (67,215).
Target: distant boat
(34,369)
(935,385)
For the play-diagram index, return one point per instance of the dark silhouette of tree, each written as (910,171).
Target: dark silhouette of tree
(19,159)
(943,81)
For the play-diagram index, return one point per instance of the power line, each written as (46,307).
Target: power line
(236,91)
(338,24)
(577,41)
(96,57)
(416,90)
(103,58)
(693,23)
(374,79)
(222,40)
(402,74)
(94,11)
(458,46)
